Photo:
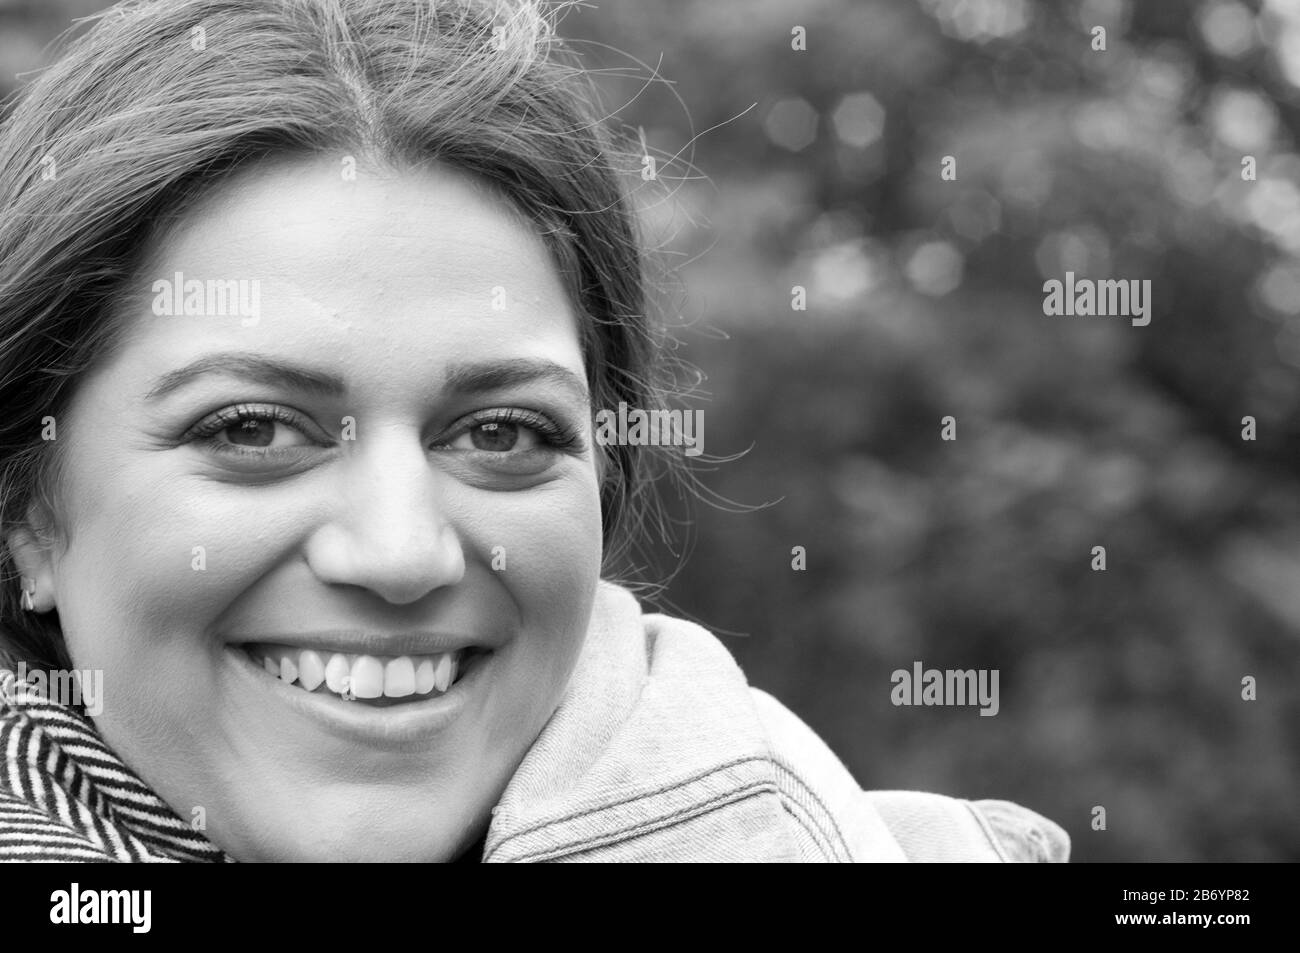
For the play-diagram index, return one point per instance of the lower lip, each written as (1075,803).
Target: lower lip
(397,726)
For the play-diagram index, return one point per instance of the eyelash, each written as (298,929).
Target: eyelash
(554,435)
(208,428)
(557,436)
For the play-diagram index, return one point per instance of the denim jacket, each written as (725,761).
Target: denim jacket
(661,751)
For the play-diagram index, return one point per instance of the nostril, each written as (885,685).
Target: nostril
(400,565)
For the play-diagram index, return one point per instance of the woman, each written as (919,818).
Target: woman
(308,309)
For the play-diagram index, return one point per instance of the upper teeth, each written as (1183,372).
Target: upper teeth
(362,676)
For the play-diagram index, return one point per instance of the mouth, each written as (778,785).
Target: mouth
(376,681)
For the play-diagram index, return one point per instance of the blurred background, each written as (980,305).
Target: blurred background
(820,168)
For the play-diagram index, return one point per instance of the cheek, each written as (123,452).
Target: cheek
(543,551)
(544,545)
(150,554)
(150,562)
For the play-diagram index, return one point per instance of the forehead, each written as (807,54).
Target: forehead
(400,269)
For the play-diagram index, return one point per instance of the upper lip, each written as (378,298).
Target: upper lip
(360,642)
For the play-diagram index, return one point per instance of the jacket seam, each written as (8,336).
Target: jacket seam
(736,795)
(831,837)
(629,799)
(810,826)
(988,830)
(827,823)
(823,829)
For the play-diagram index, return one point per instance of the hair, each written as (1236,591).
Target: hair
(159,101)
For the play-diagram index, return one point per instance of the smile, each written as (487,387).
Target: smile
(371,679)
(358,695)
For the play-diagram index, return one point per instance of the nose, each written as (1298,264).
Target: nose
(388,530)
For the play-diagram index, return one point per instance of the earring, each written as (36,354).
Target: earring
(27,603)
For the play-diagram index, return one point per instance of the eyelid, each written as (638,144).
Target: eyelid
(213,423)
(554,433)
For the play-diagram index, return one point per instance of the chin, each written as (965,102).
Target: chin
(364,833)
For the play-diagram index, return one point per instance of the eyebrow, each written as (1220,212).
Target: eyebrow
(464,378)
(249,367)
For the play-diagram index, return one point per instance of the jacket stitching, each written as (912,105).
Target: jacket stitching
(629,799)
(829,837)
(834,835)
(800,817)
(989,832)
(805,816)
(648,827)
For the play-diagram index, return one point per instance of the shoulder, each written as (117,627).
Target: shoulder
(1025,835)
(936,827)
(687,711)
(913,826)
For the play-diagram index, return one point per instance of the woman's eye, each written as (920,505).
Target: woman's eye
(512,436)
(497,437)
(251,430)
(261,434)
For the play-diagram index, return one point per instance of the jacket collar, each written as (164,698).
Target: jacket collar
(658,726)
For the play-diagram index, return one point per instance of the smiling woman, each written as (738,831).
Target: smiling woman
(346,564)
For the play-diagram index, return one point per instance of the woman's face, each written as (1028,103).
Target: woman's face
(378,472)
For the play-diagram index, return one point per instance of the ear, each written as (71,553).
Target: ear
(34,557)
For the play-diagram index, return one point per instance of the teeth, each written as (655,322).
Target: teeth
(399,677)
(424,676)
(311,670)
(367,677)
(442,672)
(337,671)
(363,676)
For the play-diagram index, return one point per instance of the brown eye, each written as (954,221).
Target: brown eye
(502,437)
(251,433)
(249,429)
(510,433)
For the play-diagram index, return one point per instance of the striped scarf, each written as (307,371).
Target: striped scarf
(65,796)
